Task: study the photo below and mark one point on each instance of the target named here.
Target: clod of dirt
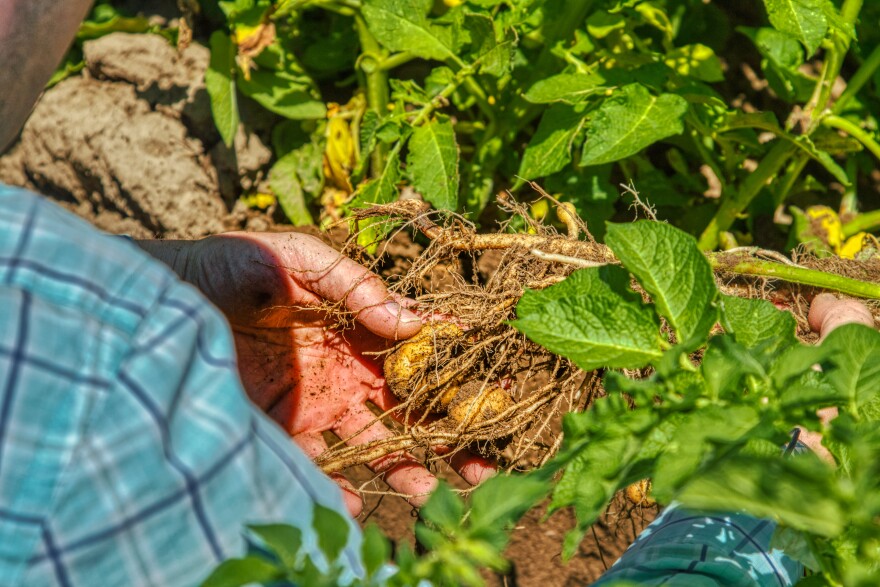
(129, 145)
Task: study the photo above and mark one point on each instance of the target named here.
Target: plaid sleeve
(129, 454)
(693, 549)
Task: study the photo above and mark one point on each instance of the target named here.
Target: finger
(313, 444)
(473, 468)
(338, 278)
(400, 470)
(827, 313)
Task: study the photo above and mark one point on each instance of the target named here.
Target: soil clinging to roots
(448, 397)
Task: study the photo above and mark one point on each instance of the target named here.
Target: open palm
(295, 363)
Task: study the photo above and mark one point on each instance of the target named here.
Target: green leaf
(432, 163)
(591, 319)
(220, 84)
(402, 25)
(771, 487)
(697, 61)
(243, 571)
(803, 19)
(283, 540)
(668, 264)
(805, 144)
(293, 175)
(332, 529)
(444, 509)
(550, 148)
(500, 502)
(566, 87)
(758, 323)
(380, 190)
(375, 550)
(795, 546)
(855, 349)
(283, 93)
(629, 121)
(494, 51)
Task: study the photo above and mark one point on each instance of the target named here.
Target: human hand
(295, 364)
(827, 313)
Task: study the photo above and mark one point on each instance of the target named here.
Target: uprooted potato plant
(476, 376)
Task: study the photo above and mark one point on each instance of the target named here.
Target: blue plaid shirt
(129, 454)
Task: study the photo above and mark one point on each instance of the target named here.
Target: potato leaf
(432, 163)
(566, 87)
(402, 25)
(283, 93)
(332, 530)
(629, 121)
(380, 190)
(591, 319)
(668, 264)
(805, 20)
(237, 572)
(293, 175)
(758, 323)
(220, 84)
(550, 148)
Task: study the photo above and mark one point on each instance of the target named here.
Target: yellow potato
(476, 403)
(409, 359)
(639, 493)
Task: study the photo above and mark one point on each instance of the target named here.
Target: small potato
(409, 359)
(639, 493)
(475, 404)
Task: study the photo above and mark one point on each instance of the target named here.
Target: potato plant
(740, 125)
(458, 100)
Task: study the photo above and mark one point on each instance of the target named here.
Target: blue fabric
(699, 549)
(129, 454)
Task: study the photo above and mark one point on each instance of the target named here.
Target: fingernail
(401, 314)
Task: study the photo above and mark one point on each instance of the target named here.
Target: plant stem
(863, 222)
(774, 160)
(733, 206)
(801, 275)
(372, 56)
(396, 60)
(854, 131)
(859, 79)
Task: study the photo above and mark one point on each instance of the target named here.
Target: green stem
(801, 275)
(858, 80)
(733, 206)
(854, 131)
(774, 160)
(396, 60)
(862, 223)
(377, 83)
(437, 101)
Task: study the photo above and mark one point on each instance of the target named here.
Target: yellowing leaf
(825, 224)
(340, 155)
(853, 245)
(258, 200)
